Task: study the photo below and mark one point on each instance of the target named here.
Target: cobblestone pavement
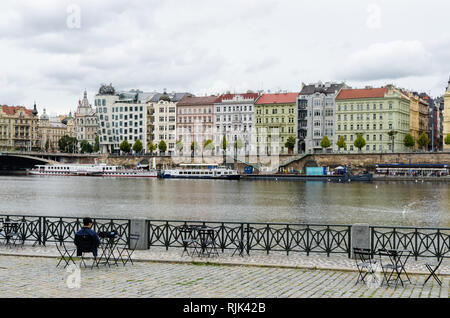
(257, 258)
(39, 277)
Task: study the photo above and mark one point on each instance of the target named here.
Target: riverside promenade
(32, 272)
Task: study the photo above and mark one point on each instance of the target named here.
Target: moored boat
(95, 170)
(200, 171)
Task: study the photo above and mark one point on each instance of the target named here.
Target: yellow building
(50, 132)
(418, 117)
(18, 128)
(446, 127)
(414, 126)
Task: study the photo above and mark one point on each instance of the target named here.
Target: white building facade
(121, 116)
(234, 120)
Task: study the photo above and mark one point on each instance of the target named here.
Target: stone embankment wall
(358, 162)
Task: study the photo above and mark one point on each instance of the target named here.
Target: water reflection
(381, 203)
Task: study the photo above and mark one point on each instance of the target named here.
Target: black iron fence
(49, 229)
(422, 242)
(268, 237)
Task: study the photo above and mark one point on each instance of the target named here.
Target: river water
(391, 203)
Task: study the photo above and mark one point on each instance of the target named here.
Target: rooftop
(201, 100)
(362, 93)
(277, 98)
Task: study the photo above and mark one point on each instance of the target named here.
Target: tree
(341, 142)
(392, 134)
(47, 145)
(325, 142)
(408, 141)
(86, 147)
(224, 144)
(137, 146)
(151, 147)
(238, 145)
(67, 144)
(359, 142)
(447, 139)
(179, 145)
(125, 146)
(423, 140)
(96, 144)
(290, 143)
(208, 145)
(162, 146)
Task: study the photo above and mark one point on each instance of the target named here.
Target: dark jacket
(86, 240)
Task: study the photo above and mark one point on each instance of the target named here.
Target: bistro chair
(242, 242)
(11, 233)
(188, 238)
(129, 249)
(365, 263)
(85, 244)
(66, 253)
(207, 242)
(389, 266)
(109, 240)
(433, 267)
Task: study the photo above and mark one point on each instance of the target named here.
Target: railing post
(248, 239)
(307, 247)
(416, 247)
(44, 230)
(328, 241)
(267, 239)
(139, 227)
(349, 241)
(361, 237)
(288, 245)
(166, 238)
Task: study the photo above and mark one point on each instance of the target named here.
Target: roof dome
(44, 116)
(164, 97)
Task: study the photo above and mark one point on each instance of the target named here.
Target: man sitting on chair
(86, 240)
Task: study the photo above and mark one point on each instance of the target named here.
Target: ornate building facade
(234, 120)
(85, 121)
(316, 104)
(19, 128)
(51, 130)
(446, 117)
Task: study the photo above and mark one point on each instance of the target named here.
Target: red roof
(11, 110)
(362, 93)
(194, 101)
(278, 98)
(231, 96)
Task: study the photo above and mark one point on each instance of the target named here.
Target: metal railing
(422, 242)
(268, 237)
(49, 229)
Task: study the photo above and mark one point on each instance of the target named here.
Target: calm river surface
(378, 203)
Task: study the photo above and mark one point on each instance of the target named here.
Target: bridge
(20, 160)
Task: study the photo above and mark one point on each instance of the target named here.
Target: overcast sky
(50, 51)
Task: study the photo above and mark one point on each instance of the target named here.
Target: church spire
(35, 112)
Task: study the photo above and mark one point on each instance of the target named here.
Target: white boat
(97, 170)
(200, 171)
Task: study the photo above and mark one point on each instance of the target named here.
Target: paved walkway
(161, 273)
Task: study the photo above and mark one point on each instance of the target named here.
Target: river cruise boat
(95, 170)
(200, 171)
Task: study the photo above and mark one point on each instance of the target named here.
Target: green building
(275, 122)
(380, 115)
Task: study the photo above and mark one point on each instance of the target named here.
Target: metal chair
(189, 239)
(207, 242)
(132, 243)
(242, 242)
(11, 233)
(389, 266)
(85, 244)
(433, 267)
(365, 264)
(66, 254)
